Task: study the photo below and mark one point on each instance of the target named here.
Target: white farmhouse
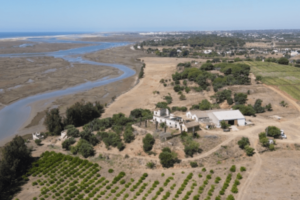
(294, 53)
(196, 115)
(207, 51)
(163, 115)
(37, 136)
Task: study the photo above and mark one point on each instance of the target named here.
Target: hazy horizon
(136, 16)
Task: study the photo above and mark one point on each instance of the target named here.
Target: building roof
(228, 115)
(191, 124)
(199, 113)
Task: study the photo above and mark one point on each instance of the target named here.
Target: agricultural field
(63, 177)
(285, 77)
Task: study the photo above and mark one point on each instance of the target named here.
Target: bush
(239, 176)
(243, 169)
(273, 131)
(38, 142)
(240, 98)
(224, 125)
(245, 110)
(207, 66)
(203, 169)
(271, 147)
(249, 151)
(230, 197)
(68, 142)
(211, 171)
(72, 131)
(150, 165)
(128, 135)
(148, 142)
(110, 171)
(193, 164)
(121, 146)
(168, 159)
(283, 61)
(243, 142)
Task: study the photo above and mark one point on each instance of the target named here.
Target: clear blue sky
(147, 15)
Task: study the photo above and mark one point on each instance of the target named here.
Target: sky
(146, 15)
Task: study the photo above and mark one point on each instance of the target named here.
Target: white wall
(241, 122)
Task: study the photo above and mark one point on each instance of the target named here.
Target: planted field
(286, 77)
(62, 177)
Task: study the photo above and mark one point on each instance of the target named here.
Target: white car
(283, 136)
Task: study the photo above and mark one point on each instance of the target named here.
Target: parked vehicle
(282, 135)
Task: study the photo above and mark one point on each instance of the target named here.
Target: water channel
(13, 116)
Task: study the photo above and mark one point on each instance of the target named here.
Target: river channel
(13, 116)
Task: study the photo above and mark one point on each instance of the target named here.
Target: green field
(286, 77)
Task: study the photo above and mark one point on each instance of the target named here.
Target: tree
(53, 121)
(273, 131)
(121, 146)
(258, 78)
(245, 110)
(16, 158)
(150, 165)
(257, 106)
(38, 142)
(207, 66)
(182, 97)
(148, 142)
(81, 113)
(167, 158)
(240, 98)
(224, 125)
(163, 125)
(191, 147)
(73, 132)
(84, 148)
(283, 104)
(205, 105)
(243, 142)
(128, 135)
(68, 142)
(283, 61)
(249, 150)
(269, 107)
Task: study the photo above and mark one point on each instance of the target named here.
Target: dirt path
(253, 173)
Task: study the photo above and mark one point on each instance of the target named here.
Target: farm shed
(232, 117)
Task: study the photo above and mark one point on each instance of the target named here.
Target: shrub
(211, 171)
(283, 61)
(38, 142)
(243, 142)
(68, 142)
(239, 176)
(230, 197)
(193, 164)
(273, 131)
(150, 165)
(203, 169)
(242, 169)
(249, 150)
(168, 159)
(232, 168)
(110, 171)
(148, 142)
(271, 147)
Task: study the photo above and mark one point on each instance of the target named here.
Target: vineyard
(286, 77)
(64, 177)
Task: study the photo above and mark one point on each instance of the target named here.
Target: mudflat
(23, 77)
(65, 76)
(23, 46)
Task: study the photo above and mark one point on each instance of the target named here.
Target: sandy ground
(7, 47)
